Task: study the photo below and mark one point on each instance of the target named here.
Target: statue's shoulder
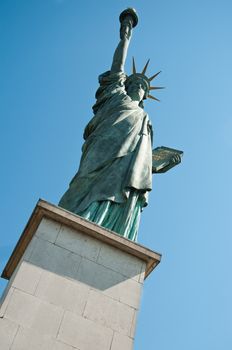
(108, 78)
(110, 83)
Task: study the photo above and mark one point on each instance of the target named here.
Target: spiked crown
(145, 79)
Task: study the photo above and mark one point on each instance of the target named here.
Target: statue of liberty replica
(115, 174)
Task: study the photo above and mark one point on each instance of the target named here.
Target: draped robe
(115, 174)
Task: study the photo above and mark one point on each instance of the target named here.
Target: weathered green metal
(115, 175)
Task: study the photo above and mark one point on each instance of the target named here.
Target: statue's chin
(134, 97)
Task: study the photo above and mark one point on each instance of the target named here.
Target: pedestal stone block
(72, 285)
(29, 284)
(109, 313)
(121, 342)
(62, 292)
(30, 312)
(8, 330)
(84, 334)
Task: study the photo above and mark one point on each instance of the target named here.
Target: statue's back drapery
(115, 174)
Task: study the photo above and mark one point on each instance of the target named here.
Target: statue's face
(136, 90)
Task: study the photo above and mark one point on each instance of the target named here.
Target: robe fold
(116, 162)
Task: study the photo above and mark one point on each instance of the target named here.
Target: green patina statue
(115, 174)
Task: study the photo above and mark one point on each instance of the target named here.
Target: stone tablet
(165, 158)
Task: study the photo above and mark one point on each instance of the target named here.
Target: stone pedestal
(72, 285)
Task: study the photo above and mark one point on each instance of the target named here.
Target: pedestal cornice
(44, 209)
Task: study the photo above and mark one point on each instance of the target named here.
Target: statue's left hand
(176, 159)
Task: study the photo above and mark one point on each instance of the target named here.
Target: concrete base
(72, 285)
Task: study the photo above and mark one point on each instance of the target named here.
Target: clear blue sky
(51, 55)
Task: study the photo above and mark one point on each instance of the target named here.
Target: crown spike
(145, 67)
(154, 76)
(153, 98)
(156, 87)
(133, 66)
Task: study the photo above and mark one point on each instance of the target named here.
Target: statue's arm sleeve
(120, 53)
(119, 57)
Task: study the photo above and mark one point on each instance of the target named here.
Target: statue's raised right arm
(128, 20)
